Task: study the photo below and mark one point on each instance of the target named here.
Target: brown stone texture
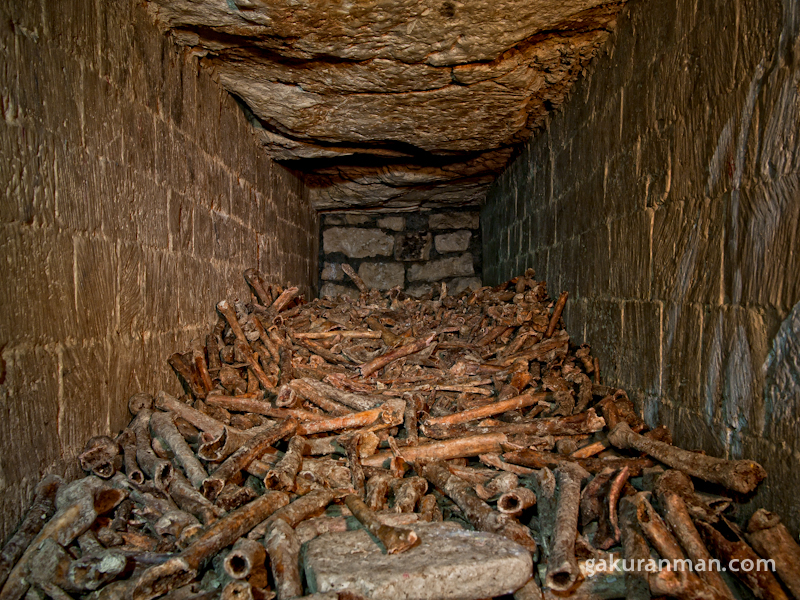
(133, 197)
(400, 104)
(664, 198)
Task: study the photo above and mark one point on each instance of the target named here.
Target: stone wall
(665, 199)
(133, 198)
(415, 251)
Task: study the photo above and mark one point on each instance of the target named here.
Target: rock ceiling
(393, 103)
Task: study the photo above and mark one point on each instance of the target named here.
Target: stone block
(29, 427)
(457, 241)
(28, 172)
(638, 347)
(95, 286)
(682, 336)
(382, 276)
(458, 285)
(449, 563)
(162, 300)
(39, 300)
(79, 205)
(456, 266)
(763, 267)
(181, 222)
(420, 289)
(735, 348)
(629, 260)
(332, 290)
(131, 284)
(84, 406)
(139, 127)
(152, 211)
(454, 220)
(687, 252)
(348, 219)
(332, 272)
(357, 243)
(393, 223)
(413, 247)
(230, 237)
(603, 333)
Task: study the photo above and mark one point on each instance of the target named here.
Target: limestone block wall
(415, 251)
(665, 198)
(133, 197)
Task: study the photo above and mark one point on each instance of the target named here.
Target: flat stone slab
(448, 564)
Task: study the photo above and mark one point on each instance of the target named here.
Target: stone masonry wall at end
(412, 251)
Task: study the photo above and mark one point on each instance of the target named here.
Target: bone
(382, 361)
(245, 557)
(557, 310)
(443, 450)
(489, 410)
(583, 423)
(562, 567)
(163, 427)
(283, 548)
(429, 510)
(770, 538)
(732, 547)
(101, 456)
(514, 502)
(310, 505)
(634, 548)
(182, 569)
(377, 488)
(283, 474)
(247, 452)
(407, 492)
(738, 475)
(41, 510)
(476, 510)
(307, 391)
(394, 539)
(680, 584)
(677, 517)
(383, 417)
(77, 508)
(538, 460)
(355, 401)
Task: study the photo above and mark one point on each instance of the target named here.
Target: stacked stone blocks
(412, 251)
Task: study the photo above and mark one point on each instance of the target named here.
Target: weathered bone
(394, 539)
(770, 538)
(738, 475)
(562, 567)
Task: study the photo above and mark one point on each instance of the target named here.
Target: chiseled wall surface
(665, 199)
(134, 196)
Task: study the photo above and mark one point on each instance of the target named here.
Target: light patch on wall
(719, 160)
(739, 393)
(782, 371)
(714, 368)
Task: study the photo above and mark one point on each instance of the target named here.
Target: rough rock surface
(382, 276)
(452, 242)
(358, 243)
(394, 104)
(440, 269)
(449, 563)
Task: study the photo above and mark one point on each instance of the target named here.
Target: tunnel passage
(660, 192)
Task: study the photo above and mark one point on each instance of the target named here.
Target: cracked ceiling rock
(381, 84)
